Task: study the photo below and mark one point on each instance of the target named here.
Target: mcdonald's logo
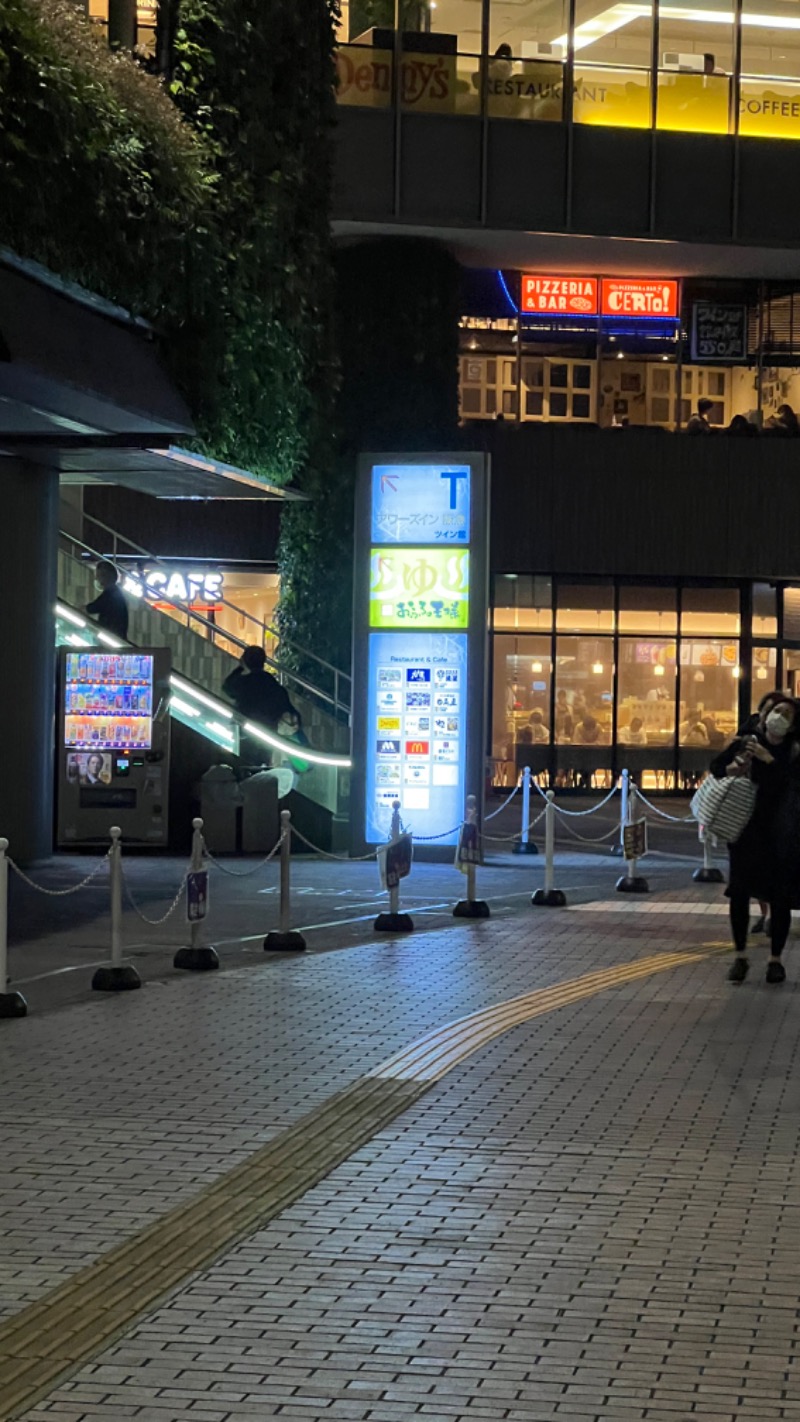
(418, 747)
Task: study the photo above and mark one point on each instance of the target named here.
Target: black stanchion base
(520, 848)
(549, 898)
(291, 942)
(708, 876)
(196, 960)
(394, 923)
(123, 979)
(636, 885)
(13, 1004)
(471, 908)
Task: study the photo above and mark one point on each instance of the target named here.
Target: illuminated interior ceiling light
(658, 670)
(597, 668)
(761, 673)
(699, 676)
(70, 615)
(736, 672)
(617, 16)
(536, 666)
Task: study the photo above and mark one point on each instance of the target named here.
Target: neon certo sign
(190, 587)
(556, 294)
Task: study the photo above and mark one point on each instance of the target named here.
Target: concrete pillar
(28, 558)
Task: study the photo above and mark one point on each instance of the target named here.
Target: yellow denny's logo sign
(364, 77)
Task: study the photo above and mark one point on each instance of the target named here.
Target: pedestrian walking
(765, 859)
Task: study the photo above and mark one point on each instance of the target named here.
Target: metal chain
(579, 814)
(60, 893)
(340, 858)
(154, 922)
(428, 838)
(242, 873)
(591, 839)
(507, 801)
(517, 835)
(676, 819)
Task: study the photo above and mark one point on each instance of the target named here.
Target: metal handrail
(266, 628)
(215, 632)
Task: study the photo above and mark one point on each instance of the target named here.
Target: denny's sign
(554, 294)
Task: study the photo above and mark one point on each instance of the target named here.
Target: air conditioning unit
(534, 49)
(689, 63)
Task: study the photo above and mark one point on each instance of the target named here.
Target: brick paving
(594, 1218)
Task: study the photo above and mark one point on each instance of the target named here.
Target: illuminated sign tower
(420, 643)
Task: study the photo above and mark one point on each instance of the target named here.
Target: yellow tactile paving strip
(51, 1338)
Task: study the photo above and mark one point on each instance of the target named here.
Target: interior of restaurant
(715, 69)
(591, 677)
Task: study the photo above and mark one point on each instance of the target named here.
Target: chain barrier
(340, 858)
(675, 819)
(243, 873)
(507, 838)
(59, 893)
(589, 839)
(506, 802)
(580, 814)
(154, 922)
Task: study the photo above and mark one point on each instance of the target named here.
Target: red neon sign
(621, 297)
(573, 295)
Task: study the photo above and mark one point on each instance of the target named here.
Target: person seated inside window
(634, 734)
(697, 735)
(538, 728)
(587, 732)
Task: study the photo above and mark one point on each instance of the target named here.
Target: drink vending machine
(113, 746)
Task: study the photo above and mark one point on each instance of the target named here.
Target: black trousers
(780, 914)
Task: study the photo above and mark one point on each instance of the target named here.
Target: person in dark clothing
(111, 607)
(751, 725)
(255, 692)
(765, 860)
(699, 424)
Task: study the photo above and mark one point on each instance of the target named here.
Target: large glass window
(769, 103)
(522, 603)
(520, 704)
(695, 61)
(764, 677)
(646, 693)
(612, 64)
(585, 607)
(709, 611)
(652, 610)
(584, 690)
(527, 50)
(709, 691)
(765, 610)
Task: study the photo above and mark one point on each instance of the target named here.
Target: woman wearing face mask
(751, 725)
(765, 860)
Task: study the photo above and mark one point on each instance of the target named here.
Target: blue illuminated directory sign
(420, 503)
(418, 704)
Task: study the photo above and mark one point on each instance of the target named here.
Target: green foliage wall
(397, 310)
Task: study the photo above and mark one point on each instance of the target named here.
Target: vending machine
(113, 746)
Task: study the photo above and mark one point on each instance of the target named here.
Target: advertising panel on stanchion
(113, 745)
(419, 659)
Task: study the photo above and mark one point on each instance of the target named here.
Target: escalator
(211, 731)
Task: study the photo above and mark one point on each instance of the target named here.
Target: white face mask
(778, 724)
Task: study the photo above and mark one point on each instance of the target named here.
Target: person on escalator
(111, 607)
(255, 692)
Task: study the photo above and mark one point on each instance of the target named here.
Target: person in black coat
(765, 860)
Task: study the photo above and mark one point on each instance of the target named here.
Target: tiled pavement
(594, 1218)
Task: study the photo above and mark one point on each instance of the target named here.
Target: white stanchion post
(199, 957)
(624, 786)
(525, 845)
(119, 976)
(549, 896)
(394, 921)
(469, 854)
(631, 882)
(12, 1004)
(287, 939)
(709, 874)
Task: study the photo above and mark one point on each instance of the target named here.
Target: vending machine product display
(113, 746)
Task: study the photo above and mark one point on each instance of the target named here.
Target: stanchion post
(525, 845)
(12, 1004)
(118, 976)
(470, 907)
(709, 874)
(618, 850)
(198, 957)
(631, 882)
(286, 939)
(549, 896)
(394, 921)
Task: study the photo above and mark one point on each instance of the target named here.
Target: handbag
(724, 807)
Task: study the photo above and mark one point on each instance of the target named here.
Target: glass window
(709, 691)
(585, 607)
(791, 677)
(646, 693)
(522, 602)
(710, 611)
(520, 696)
(648, 610)
(769, 106)
(584, 691)
(695, 59)
(765, 674)
(765, 619)
(791, 614)
(527, 32)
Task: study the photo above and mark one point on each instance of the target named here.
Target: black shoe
(759, 926)
(776, 973)
(738, 969)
